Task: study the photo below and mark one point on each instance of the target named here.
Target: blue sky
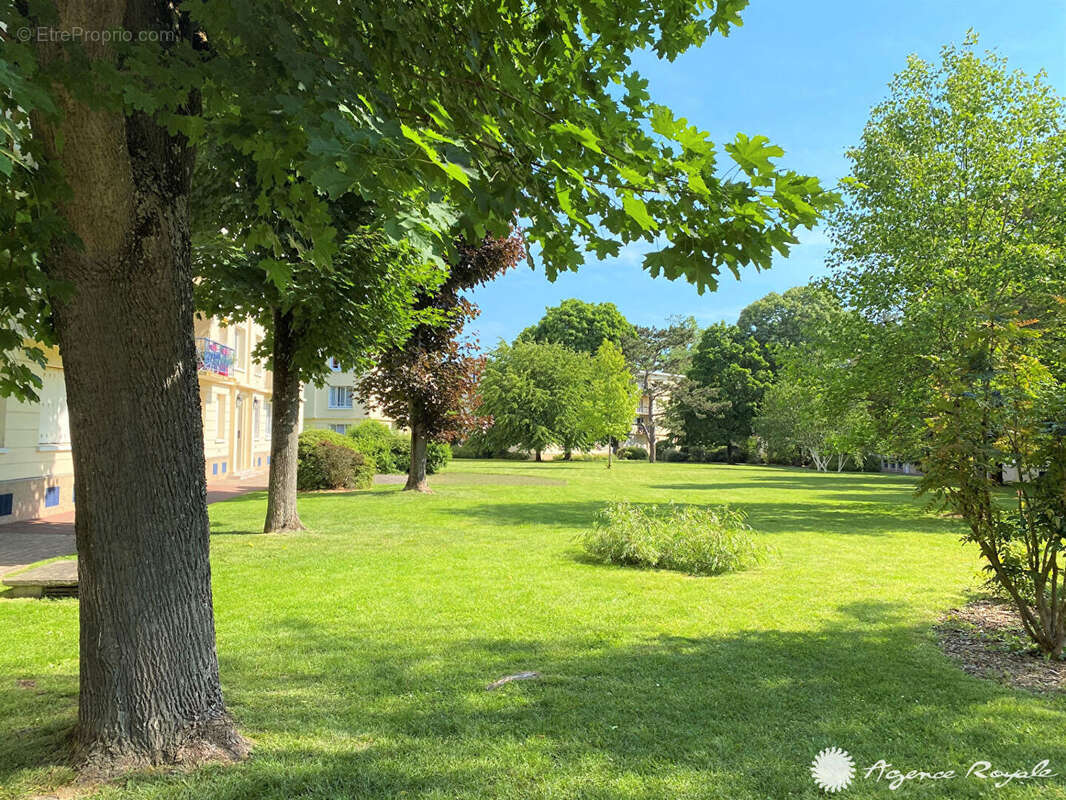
(805, 74)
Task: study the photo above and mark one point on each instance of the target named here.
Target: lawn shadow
(746, 711)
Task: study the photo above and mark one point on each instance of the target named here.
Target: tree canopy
(421, 119)
(580, 325)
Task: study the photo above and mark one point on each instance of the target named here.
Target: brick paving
(26, 542)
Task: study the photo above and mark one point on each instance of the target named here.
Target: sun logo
(833, 769)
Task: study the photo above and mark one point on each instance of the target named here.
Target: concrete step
(58, 579)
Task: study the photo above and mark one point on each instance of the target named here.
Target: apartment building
(36, 467)
(235, 395)
(334, 406)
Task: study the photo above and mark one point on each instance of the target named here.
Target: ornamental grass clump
(693, 539)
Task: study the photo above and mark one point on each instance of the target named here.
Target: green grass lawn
(356, 654)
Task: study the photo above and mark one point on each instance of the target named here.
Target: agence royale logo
(833, 770)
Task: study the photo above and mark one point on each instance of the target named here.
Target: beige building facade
(335, 406)
(36, 466)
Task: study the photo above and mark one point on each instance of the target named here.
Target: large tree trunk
(285, 423)
(149, 683)
(538, 456)
(416, 472)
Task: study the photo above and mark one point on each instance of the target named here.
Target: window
(3, 420)
(54, 426)
(255, 419)
(7, 504)
(341, 428)
(335, 365)
(340, 396)
(51, 496)
(240, 344)
(222, 404)
(268, 416)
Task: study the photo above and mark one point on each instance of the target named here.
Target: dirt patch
(987, 640)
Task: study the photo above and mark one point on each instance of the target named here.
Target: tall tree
(734, 366)
(951, 251)
(428, 383)
(781, 321)
(361, 307)
(401, 105)
(658, 357)
(580, 326)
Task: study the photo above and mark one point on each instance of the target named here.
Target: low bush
(692, 539)
(390, 449)
(438, 454)
(634, 453)
(329, 460)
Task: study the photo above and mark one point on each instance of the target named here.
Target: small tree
(950, 249)
(429, 383)
(580, 326)
(657, 357)
(612, 398)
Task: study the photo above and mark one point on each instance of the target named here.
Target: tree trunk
(416, 473)
(649, 429)
(149, 685)
(610, 452)
(539, 458)
(285, 431)
(568, 455)
(729, 451)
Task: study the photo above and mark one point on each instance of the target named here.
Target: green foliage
(631, 454)
(727, 378)
(951, 250)
(536, 396)
(782, 321)
(699, 541)
(361, 306)
(329, 460)
(438, 456)
(580, 326)
(611, 397)
(389, 449)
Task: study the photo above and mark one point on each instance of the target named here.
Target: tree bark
(416, 472)
(281, 512)
(149, 683)
(538, 456)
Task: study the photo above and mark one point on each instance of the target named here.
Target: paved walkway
(26, 542)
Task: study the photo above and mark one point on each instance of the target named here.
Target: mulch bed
(987, 640)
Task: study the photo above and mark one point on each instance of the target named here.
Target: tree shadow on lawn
(745, 712)
(867, 519)
(345, 715)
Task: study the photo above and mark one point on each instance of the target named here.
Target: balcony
(212, 356)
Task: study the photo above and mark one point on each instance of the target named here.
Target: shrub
(328, 460)
(699, 541)
(635, 453)
(438, 454)
(390, 450)
(672, 454)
